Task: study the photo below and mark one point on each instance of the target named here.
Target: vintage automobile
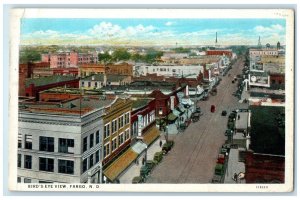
(138, 179)
(219, 169)
(212, 108)
(158, 156)
(224, 113)
(144, 171)
(150, 164)
(195, 116)
(167, 146)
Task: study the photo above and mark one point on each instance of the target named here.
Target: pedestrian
(160, 143)
(143, 161)
(235, 176)
(239, 117)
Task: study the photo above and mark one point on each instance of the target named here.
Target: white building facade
(60, 148)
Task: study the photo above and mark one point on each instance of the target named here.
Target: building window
(127, 135)
(97, 156)
(84, 144)
(106, 150)
(121, 121)
(27, 161)
(127, 118)
(19, 140)
(27, 180)
(97, 137)
(19, 179)
(28, 141)
(65, 145)
(134, 129)
(19, 160)
(82, 84)
(106, 130)
(47, 144)
(47, 164)
(114, 144)
(121, 139)
(96, 84)
(66, 166)
(113, 126)
(91, 160)
(84, 165)
(91, 140)
(89, 84)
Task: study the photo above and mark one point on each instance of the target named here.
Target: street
(193, 158)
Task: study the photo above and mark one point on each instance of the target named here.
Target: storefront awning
(171, 117)
(119, 165)
(151, 135)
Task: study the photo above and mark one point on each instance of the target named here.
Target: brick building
(219, 52)
(69, 59)
(36, 85)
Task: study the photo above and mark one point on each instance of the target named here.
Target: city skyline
(139, 32)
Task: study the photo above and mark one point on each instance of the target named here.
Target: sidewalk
(134, 169)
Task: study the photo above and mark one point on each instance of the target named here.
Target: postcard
(151, 100)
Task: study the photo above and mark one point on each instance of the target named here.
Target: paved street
(193, 158)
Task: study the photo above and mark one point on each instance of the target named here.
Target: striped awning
(119, 165)
(150, 135)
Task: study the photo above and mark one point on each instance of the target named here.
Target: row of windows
(115, 143)
(91, 140)
(89, 162)
(47, 144)
(112, 127)
(47, 164)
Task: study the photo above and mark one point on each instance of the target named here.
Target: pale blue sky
(151, 31)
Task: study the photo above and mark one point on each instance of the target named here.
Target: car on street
(158, 156)
(144, 171)
(224, 113)
(150, 164)
(138, 179)
(212, 108)
(228, 132)
(167, 146)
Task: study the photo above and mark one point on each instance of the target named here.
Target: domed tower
(278, 45)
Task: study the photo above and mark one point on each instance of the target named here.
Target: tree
(29, 55)
(152, 55)
(120, 54)
(104, 57)
(137, 57)
(181, 50)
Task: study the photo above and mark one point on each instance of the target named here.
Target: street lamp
(145, 155)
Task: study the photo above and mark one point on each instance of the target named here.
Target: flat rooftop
(48, 80)
(73, 107)
(241, 121)
(267, 132)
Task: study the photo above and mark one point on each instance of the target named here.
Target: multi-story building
(116, 131)
(97, 81)
(61, 142)
(190, 71)
(69, 59)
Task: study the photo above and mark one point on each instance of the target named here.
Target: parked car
(198, 110)
(158, 156)
(224, 113)
(167, 146)
(150, 164)
(195, 117)
(228, 132)
(219, 169)
(212, 108)
(138, 179)
(232, 115)
(144, 171)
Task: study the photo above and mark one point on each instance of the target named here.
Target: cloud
(169, 23)
(269, 29)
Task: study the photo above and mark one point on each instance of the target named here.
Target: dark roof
(48, 80)
(266, 134)
(265, 95)
(140, 103)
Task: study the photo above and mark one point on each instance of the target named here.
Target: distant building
(189, 71)
(220, 53)
(36, 85)
(69, 59)
(97, 81)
